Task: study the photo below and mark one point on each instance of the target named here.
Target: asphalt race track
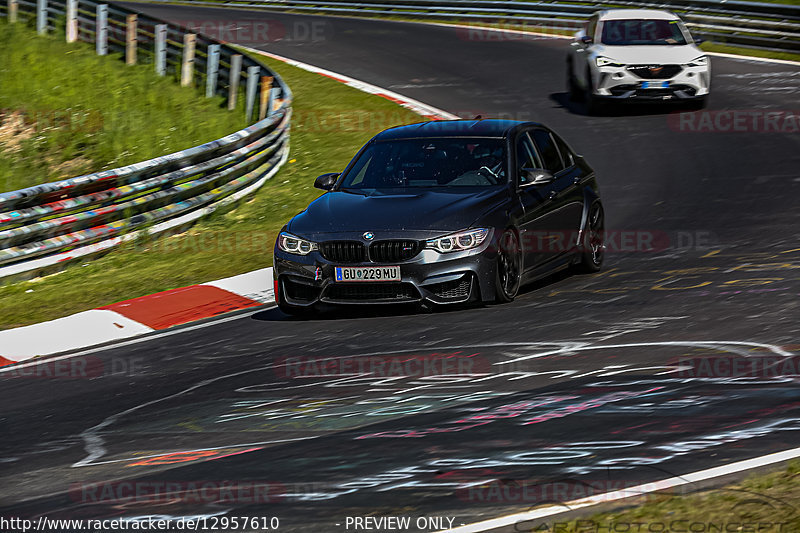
(584, 384)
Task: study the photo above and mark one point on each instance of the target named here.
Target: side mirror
(699, 40)
(326, 181)
(536, 176)
(585, 39)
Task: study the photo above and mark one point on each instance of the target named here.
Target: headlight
(601, 61)
(701, 61)
(456, 242)
(295, 245)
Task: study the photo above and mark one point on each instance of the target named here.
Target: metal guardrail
(766, 26)
(45, 226)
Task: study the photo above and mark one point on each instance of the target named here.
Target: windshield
(437, 162)
(636, 31)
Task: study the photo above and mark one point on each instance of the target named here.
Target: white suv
(636, 54)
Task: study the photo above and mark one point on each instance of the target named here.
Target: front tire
(509, 267)
(593, 254)
(289, 309)
(593, 103)
(573, 91)
(699, 103)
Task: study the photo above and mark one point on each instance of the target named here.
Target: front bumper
(622, 83)
(456, 277)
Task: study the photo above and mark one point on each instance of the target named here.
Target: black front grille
(655, 72)
(372, 291)
(343, 251)
(393, 251)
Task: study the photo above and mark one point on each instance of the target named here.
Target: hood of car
(652, 54)
(422, 213)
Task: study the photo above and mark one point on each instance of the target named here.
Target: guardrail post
(187, 61)
(72, 21)
(266, 100)
(252, 86)
(101, 30)
(131, 32)
(41, 17)
(161, 49)
(212, 69)
(13, 9)
(271, 103)
(233, 80)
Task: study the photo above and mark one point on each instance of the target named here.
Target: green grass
(759, 500)
(331, 121)
(67, 111)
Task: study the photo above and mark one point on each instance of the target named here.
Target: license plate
(655, 84)
(386, 273)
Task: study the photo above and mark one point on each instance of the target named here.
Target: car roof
(617, 14)
(452, 128)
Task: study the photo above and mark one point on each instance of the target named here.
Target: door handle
(552, 196)
(576, 181)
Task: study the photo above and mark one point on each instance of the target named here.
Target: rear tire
(593, 254)
(509, 267)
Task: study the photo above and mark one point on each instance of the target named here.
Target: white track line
(706, 344)
(137, 340)
(411, 104)
(665, 484)
(753, 58)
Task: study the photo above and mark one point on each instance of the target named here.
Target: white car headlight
(456, 242)
(295, 245)
(601, 61)
(701, 61)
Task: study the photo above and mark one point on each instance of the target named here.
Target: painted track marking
(673, 482)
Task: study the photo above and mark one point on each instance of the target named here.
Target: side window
(566, 153)
(551, 160)
(360, 170)
(526, 154)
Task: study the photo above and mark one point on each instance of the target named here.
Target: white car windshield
(625, 32)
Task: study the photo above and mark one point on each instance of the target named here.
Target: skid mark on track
(410, 394)
(93, 440)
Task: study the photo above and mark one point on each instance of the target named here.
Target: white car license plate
(384, 273)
